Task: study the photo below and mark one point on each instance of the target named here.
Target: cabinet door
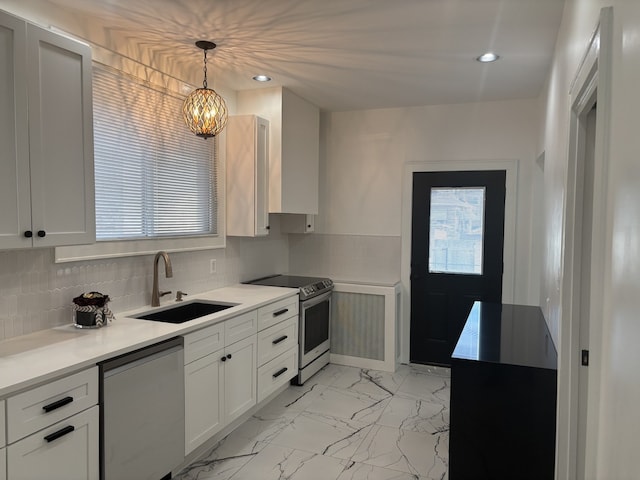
(240, 378)
(3, 464)
(247, 176)
(203, 400)
(60, 139)
(58, 451)
(15, 189)
(297, 223)
(262, 177)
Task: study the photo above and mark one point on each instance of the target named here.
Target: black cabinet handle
(42, 233)
(280, 312)
(57, 404)
(28, 234)
(308, 226)
(268, 227)
(60, 433)
(280, 372)
(229, 356)
(279, 340)
(223, 359)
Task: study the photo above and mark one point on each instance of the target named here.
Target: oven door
(315, 318)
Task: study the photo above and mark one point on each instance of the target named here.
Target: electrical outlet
(212, 266)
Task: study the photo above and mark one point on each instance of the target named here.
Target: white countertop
(31, 359)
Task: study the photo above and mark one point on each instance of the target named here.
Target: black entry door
(456, 255)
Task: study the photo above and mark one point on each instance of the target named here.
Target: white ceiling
(339, 54)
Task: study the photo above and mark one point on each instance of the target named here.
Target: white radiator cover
(364, 325)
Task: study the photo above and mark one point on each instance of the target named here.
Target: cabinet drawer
(203, 342)
(276, 340)
(240, 327)
(70, 453)
(3, 440)
(276, 312)
(277, 373)
(42, 406)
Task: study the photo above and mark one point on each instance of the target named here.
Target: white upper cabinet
(292, 223)
(46, 133)
(247, 176)
(294, 147)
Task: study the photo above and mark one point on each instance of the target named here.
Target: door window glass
(456, 230)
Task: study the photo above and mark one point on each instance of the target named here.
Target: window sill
(131, 248)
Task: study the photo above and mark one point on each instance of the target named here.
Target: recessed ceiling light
(488, 57)
(262, 78)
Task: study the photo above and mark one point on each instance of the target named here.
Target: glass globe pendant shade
(205, 112)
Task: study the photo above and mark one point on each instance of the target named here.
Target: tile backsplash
(353, 258)
(36, 293)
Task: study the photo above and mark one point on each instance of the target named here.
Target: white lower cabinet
(3, 464)
(222, 385)
(277, 372)
(3, 440)
(204, 414)
(66, 450)
(53, 430)
(221, 367)
(240, 378)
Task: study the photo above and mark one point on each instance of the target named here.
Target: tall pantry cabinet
(46, 133)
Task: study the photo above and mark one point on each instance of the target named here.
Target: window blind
(154, 178)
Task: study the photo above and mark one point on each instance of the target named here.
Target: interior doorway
(583, 260)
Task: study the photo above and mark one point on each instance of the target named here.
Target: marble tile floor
(345, 423)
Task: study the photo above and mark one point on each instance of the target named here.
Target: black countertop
(506, 334)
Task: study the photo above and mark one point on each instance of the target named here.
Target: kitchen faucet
(168, 273)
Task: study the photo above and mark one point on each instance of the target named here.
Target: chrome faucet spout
(168, 273)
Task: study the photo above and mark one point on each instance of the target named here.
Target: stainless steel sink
(185, 312)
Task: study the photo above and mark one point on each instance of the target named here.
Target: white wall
(362, 160)
(614, 455)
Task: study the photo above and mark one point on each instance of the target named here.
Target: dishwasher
(142, 413)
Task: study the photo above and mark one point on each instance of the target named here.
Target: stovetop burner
(309, 286)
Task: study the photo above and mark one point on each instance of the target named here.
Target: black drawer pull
(57, 404)
(280, 312)
(60, 433)
(280, 372)
(223, 359)
(279, 340)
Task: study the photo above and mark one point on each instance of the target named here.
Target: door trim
(509, 254)
(591, 85)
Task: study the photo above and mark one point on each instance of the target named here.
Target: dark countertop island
(503, 395)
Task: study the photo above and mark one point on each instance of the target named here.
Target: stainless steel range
(314, 321)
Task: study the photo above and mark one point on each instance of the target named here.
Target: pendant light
(204, 111)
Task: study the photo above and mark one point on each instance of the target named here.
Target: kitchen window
(154, 178)
(157, 184)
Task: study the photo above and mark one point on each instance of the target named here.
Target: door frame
(509, 255)
(591, 85)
